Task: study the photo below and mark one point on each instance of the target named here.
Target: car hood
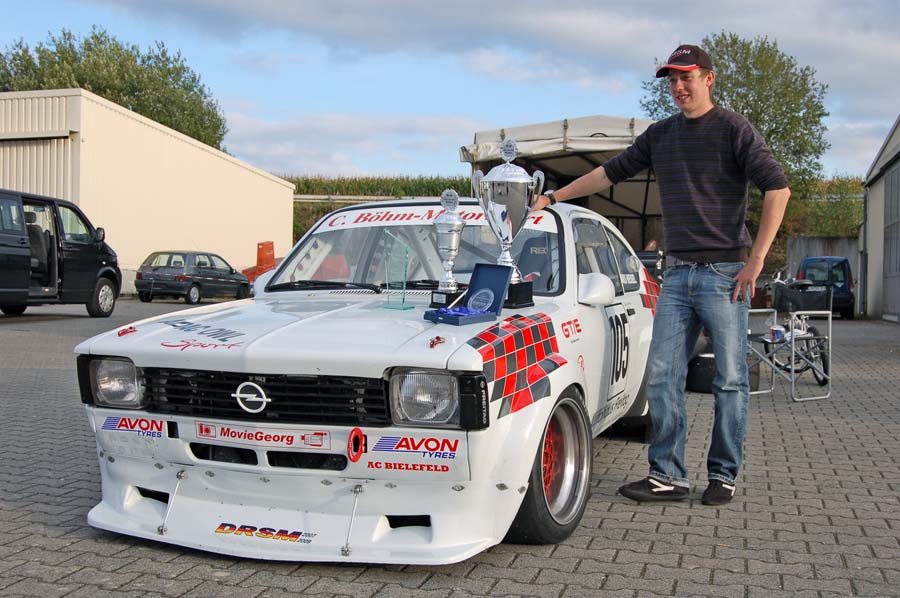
(310, 335)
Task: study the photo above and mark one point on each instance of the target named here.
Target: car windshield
(369, 247)
(818, 271)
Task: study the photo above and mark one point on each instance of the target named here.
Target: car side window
(202, 261)
(10, 216)
(75, 229)
(837, 272)
(219, 263)
(629, 265)
(593, 252)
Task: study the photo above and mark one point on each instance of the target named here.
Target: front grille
(333, 400)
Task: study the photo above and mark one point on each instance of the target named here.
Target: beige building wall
(149, 186)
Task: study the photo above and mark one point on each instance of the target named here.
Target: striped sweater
(703, 168)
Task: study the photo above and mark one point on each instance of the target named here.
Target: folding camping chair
(802, 348)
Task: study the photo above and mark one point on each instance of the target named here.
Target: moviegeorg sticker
(258, 436)
(519, 354)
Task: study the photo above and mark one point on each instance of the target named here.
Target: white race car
(325, 419)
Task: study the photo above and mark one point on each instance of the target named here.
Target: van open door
(15, 255)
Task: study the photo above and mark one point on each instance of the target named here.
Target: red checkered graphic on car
(518, 355)
(651, 287)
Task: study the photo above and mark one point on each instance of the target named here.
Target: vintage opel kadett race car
(325, 419)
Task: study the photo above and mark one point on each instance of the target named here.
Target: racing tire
(820, 357)
(560, 480)
(193, 295)
(13, 310)
(243, 292)
(103, 299)
(145, 297)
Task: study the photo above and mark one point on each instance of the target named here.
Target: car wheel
(103, 299)
(560, 479)
(145, 297)
(847, 314)
(13, 310)
(192, 297)
(243, 291)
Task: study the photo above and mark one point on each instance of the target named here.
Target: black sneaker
(717, 493)
(652, 489)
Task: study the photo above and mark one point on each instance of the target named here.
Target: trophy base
(519, 295)
(444, 298)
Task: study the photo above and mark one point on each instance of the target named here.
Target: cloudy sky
(351, 87)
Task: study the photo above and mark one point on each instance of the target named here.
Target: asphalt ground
(817, 512)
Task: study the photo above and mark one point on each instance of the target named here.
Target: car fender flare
(516, 437)
(112, 275)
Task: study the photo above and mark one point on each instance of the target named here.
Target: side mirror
(99, 235)
(595, 289)
(259, 285)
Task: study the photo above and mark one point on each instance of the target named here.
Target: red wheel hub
(551, 460)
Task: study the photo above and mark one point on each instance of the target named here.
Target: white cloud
(336, 144)
(854, 146)
(604, 47)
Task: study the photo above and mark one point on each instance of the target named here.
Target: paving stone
(329, 586)
(506, 587)
(660, 586)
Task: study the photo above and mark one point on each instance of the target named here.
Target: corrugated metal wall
(36, 143)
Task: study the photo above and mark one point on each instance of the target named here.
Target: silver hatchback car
(189, 274)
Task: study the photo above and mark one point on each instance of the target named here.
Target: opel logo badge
(248, 394)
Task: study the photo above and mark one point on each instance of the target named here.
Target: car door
(15, 252)
(81, 255)
(605, 362)
(637, 321)
(210, 279)
(227, 276)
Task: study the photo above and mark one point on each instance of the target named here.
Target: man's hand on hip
(746, 279)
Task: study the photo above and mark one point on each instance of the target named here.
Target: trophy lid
(508, 172)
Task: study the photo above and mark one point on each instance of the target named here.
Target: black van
(51, 253)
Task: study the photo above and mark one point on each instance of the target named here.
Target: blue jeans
(695, 296)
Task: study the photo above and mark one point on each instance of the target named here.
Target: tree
(156, 83)
(780, 98)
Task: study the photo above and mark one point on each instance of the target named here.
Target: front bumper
(154, 487)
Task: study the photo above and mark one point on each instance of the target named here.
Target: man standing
(704, 158)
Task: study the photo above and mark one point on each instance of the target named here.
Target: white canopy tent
(569, 148)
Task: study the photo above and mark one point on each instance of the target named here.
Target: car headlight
(116, 383)
(425, 398)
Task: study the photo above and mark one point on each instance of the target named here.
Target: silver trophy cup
(507, 195)
(449, 226)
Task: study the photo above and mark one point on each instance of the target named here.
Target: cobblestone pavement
(817, 512)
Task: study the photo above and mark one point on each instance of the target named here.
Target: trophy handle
(538, 179)
(476, 184)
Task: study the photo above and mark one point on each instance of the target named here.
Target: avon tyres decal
(265, 533)
(141, 426)
(518, 355)
(432, 448)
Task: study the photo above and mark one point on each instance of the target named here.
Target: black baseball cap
(685, 58)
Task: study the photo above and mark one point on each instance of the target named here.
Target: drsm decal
(518, 354)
